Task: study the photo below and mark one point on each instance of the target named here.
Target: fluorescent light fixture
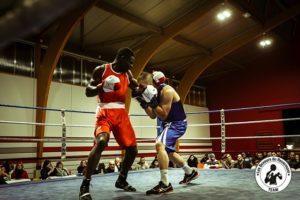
(265, 42)
(224, 15)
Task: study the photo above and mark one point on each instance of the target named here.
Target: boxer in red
(109, 83)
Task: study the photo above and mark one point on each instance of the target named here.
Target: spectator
(111, 167)
(100, 169)
(255, 163)
(142, 164)
(247, 160)
(192, 161)
(274, 154)
(81, 168)
(212, 162)
(19, 172)
(292, 160)
(227, 161)
(60, 170)
(269, 154)
(154, 163)
(265, 154)
(298, 162)
(9, 167)
(240, 164)
(278, 154)
(47, 170)
(2, 175)
(117, 164)
(259, 156)
(204, 159)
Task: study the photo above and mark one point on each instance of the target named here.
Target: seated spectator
(60, 170)
(111, 167)
(81, 168)
(154, 163)
(192, 161)
(227, 161)
(2, 175)
(6, 176)
(265, 154)
(259, 156)
(298, 162)
(117, 164)
(47, 170)
(240, 163)
(142, 164)
(19, 172)
(9, 167)
(101, 168)
(204, 159)
(247, 160)
(292, 160)
(278, 154)
(274, 154)
(269, 154)
(284, 155)
(255, 163)
(212, 162)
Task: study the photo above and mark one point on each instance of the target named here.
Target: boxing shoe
(84, 193)
(189, 177)
(161, 188)
(123, 184)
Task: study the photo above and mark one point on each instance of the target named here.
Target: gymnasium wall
(18, 90)
(271, 79)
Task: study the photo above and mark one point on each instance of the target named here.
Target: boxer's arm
(150, 112)
(133, 84)
(92, 89)
(164, 107)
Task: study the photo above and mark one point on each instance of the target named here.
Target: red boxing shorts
(115, 120)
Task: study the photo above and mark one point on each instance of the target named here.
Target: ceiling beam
(200, 65)
(48, 64)
(81, 37)
(128, 16)
(148, 25)
(117, 40)
(246, 7)
(151, 46)
(164, 62)
(190, 43)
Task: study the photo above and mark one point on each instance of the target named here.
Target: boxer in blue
(162, 101)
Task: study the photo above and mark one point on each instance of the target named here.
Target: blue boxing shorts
(170, 132)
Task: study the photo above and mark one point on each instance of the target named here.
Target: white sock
(164, 176)
(187, 169)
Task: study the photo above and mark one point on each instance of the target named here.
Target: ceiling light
(265, 42)
(224, 15)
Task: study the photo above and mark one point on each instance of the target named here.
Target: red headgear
(159, 77)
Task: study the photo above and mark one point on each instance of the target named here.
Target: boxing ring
(212, 183)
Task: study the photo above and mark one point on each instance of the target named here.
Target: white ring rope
(190, 125)
(144, 140)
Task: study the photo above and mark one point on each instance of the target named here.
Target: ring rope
(191, 125)
(142, 140)
(191, 113)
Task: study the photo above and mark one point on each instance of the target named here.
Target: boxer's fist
(110, 84)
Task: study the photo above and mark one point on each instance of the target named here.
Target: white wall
(18, 90)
